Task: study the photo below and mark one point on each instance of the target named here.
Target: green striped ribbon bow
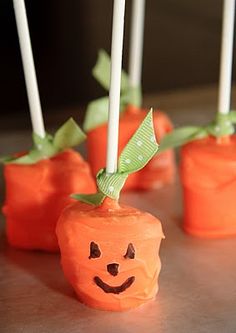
(136, 154)
(97, 110)
(221, 126)
(68, 135)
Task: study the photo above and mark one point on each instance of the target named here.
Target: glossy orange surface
(36, 195)
(160, 170)
(110, 254)
(208, 176)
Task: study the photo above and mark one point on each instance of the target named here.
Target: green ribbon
(221, 126)
(68, 135)
(97, 110)
(136, 154)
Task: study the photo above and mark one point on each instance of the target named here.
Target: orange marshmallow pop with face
(109, 251)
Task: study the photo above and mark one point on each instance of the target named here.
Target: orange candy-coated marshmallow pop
(36, 194)
(208, 176)
(39, 182)
(110, 251)
(208, 157)
(159, 171)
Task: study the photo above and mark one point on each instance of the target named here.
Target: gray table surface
(197, 281)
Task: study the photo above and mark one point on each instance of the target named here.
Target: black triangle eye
(130, 253)
(94, 251)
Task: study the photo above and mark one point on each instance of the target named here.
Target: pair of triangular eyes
(96, 253)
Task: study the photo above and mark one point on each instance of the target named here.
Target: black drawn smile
(114, 290)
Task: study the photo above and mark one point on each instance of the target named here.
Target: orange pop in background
(38, 188)
(208, 176)
(208, 157)
(39, 182)
(36, 195)
(159, 171)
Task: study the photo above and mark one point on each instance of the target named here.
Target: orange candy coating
(112, 247)
(36, 195)
(160, 170)
(208, 176)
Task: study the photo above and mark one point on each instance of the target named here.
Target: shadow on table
(44, 267)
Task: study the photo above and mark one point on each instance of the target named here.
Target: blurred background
(181, 50)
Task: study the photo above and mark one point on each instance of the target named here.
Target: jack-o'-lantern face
(113, 269)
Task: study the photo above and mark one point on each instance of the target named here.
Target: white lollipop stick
(136, 42)
(29, 69)
(226, 57)
(115, 81)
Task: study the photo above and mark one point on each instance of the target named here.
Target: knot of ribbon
(136, 154)
(222, 125)
(97, 110)
(67, 136)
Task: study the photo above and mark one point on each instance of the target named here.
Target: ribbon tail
(133, 95)
(232, 116)
(140, 148)
(6, 159)
(68, 135)
(181, 136)
(91, 199)
(96, 114)
(102, 69)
